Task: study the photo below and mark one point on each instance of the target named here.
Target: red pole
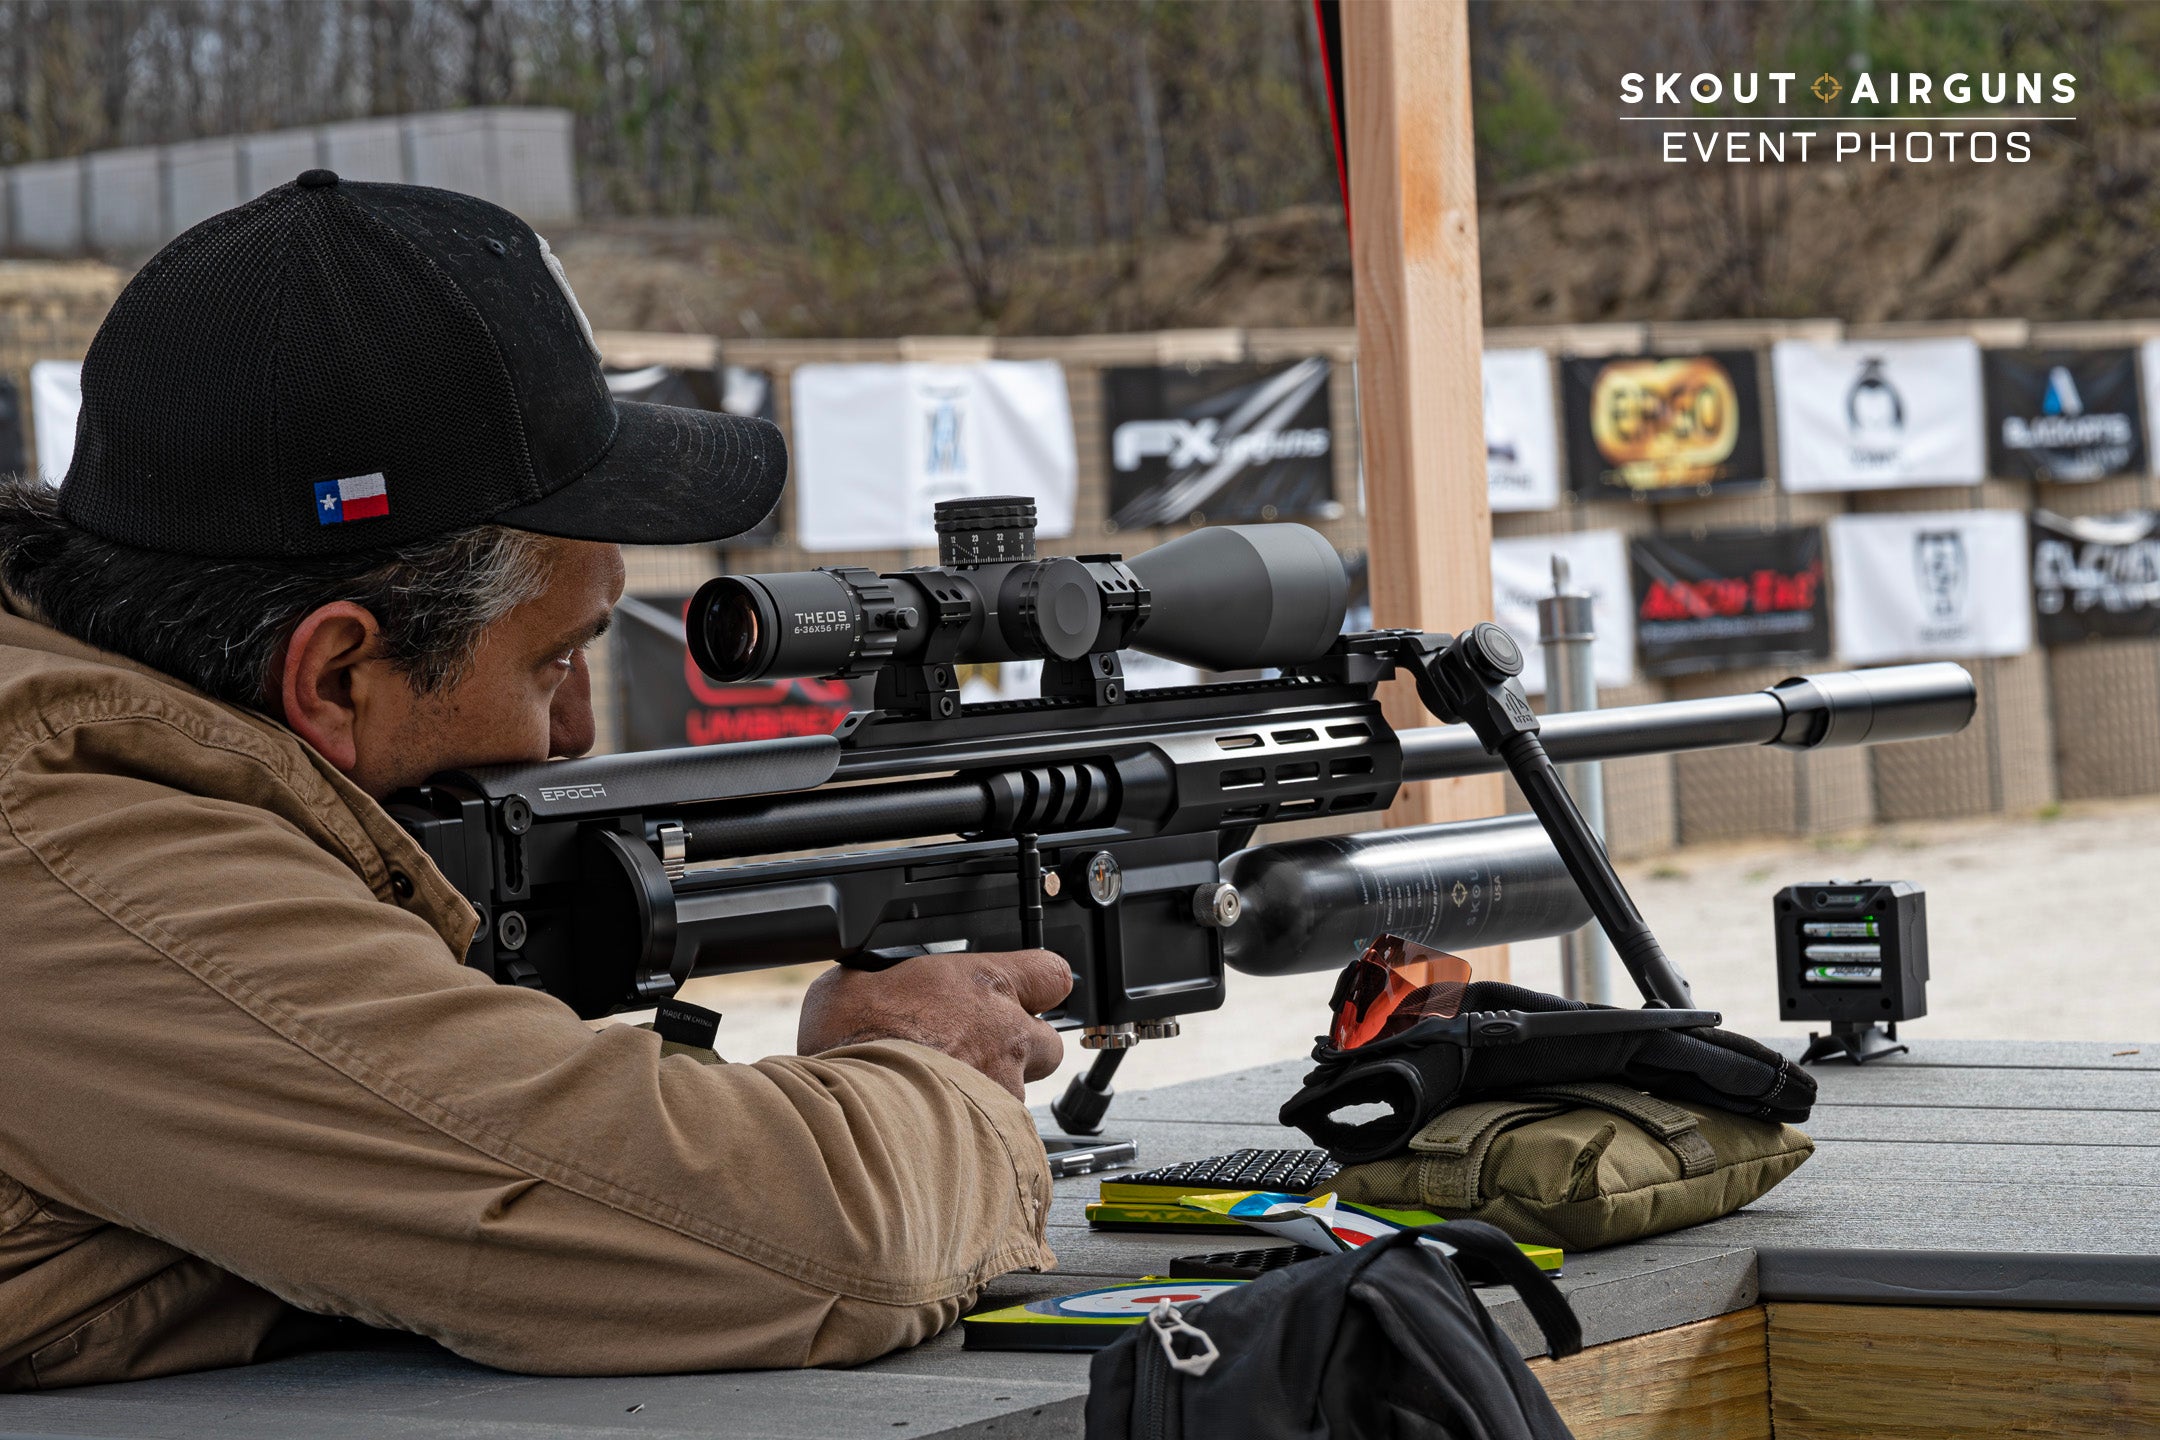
(1327, 15)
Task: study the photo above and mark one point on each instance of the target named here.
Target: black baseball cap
(337, 366)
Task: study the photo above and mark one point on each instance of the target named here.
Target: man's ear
(316, 679)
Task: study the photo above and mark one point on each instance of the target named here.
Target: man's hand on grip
(979, 1009)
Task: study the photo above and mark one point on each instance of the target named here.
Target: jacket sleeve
(218, 1036)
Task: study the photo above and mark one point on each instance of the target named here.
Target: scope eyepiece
(736, 629)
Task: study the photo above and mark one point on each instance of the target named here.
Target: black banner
(664, 700)
(14, 458)
(1661, 427)
(1729, 598)
(2063, 415)
(1232, 443)
(736, 389)
(2095, 576)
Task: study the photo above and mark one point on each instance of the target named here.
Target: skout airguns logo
(1763, 117)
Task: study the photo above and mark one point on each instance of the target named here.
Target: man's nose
(571, 729)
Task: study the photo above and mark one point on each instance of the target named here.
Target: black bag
(1507, 1039)
(1383, 1342)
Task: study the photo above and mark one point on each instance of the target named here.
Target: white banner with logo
(876, 446)
(55, 402)
(1597, 567)
(1946, 584)
(1879, 415)
(1522, 443)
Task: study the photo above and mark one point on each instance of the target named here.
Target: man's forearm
(295, 1082)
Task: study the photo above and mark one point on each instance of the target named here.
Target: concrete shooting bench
(1973, 1249)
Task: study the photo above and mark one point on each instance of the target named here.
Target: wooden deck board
(1845, 1370)
(1707, 1381)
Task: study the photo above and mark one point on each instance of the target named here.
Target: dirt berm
(2072, 234)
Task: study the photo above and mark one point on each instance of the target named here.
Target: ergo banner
(1660, 427)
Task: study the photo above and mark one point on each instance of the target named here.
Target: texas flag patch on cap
(357, 497)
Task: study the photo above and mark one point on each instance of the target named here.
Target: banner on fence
(1598, 567)
(1729, 598)
(2096, 576)
(2063, 415)
(1522, 445)
(876, 446)
(1230, 443)
(1657, 427)
(1937, 585)
(14, 454)
(1878, 415)
(666, 701)
(2149, 367)
(735, 389)
(1022, 679)
(55, 401)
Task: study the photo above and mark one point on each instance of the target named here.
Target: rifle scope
(1231, 597)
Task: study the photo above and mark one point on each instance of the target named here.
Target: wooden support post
(1414, 253)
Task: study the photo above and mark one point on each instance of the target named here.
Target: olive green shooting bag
(1582, 1165)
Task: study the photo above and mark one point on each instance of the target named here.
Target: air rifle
(1107, 825)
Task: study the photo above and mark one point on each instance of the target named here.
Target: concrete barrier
(127, 203)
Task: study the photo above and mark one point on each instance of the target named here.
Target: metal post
(1566, 630)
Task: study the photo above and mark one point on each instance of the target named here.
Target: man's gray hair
(217, 624)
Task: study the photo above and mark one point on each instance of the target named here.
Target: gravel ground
(2028, 916)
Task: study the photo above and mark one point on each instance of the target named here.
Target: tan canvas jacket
(241, 1070)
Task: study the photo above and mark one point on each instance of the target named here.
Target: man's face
(526, 696)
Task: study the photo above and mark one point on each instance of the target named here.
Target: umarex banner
(2063, 415)
(876, 446)
(1219, 442)
(1941, 585)
(666, 701)
(1657, 427)
(1522, 446)
(736, 389)
(1729, 598)
(2096, 576)
(1522, 575)
(1878, 415)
